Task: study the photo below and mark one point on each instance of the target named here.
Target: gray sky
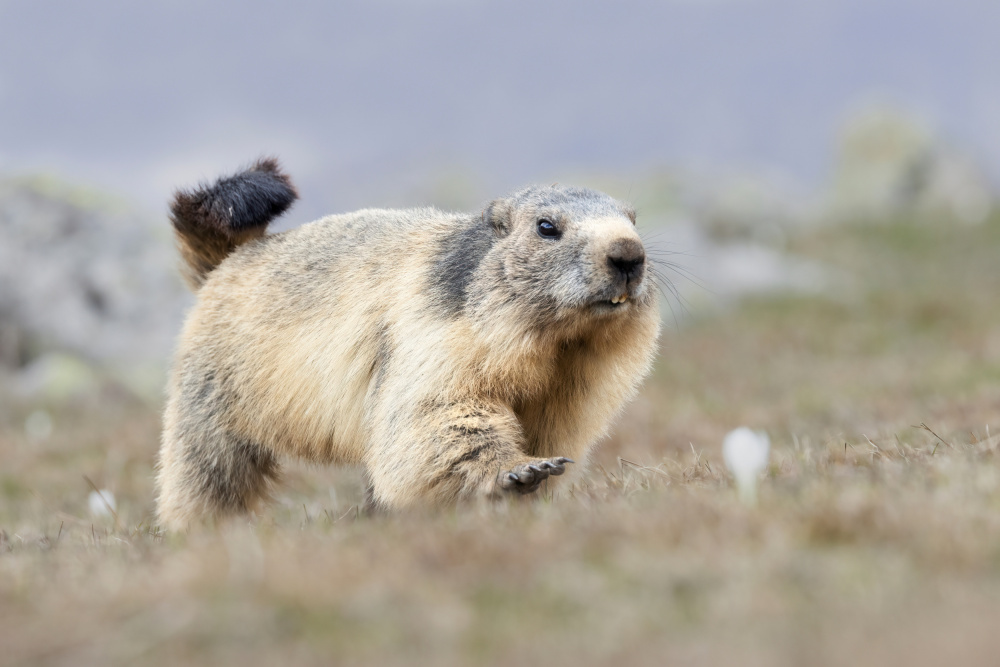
(368, 101)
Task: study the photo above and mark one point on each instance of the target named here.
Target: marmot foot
(527, 477)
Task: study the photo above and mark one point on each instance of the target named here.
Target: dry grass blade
(927, 428)
(639, 466)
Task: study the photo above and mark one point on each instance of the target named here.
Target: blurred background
(741, 119)
(818, 179)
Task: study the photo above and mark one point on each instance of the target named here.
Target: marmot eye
(547, 230)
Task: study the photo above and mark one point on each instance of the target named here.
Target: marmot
(450, 355)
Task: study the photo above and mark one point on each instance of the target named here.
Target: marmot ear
(499, 215)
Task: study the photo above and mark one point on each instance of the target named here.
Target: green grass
(875, 541)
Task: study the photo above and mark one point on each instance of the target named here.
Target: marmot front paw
(527, 477)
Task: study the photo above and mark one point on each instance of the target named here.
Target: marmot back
(452, 356)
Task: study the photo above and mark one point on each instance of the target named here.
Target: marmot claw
(527, 477)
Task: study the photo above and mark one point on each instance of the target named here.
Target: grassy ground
(875, 541)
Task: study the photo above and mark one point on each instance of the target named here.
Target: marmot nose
(627, 258)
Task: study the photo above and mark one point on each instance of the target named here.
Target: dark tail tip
(233, 204)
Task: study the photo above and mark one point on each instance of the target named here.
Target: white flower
(102, 503)
(745, 453)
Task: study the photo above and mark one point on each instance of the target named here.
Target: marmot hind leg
(206, 469)
(211, 477)
(455, 451)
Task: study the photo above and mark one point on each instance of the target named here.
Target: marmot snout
(451, 355)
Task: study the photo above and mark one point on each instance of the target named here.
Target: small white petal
(101, 503)
(745, 454)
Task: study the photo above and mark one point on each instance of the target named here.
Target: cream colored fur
(334, 342)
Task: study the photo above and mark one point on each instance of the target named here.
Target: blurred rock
(709, 274)
(751, 208)
(38, 426)
(57, 376)
(83, 275)
(891, 165)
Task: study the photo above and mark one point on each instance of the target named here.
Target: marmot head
(569, 251)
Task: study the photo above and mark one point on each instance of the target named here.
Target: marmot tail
(211, 221)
